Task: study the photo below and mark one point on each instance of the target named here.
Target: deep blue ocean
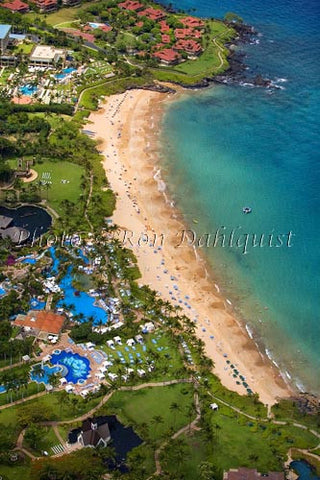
(227, 147)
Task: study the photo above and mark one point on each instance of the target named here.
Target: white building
(45, 55)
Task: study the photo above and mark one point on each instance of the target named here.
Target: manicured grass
(89, 99)
(72, 24)
(138, 408)
(248, 404)
(207, 64)
(288, 411)
(266, 445)
(60, 16)
(48, 440)
(58, 191)
(24, 48)
(15, 472)
(65, 429)
(167, 359)
(58, 407)
(31, 389)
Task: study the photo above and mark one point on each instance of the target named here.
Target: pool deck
(64, 344)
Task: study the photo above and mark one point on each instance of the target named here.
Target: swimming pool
(77, 367)
(28, 89)
(82, 302)
(2, 291)
(2, 389)
(35, 304)
(47, 372)
(64, 73)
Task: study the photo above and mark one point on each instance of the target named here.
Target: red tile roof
(153, 14)
(131, 5)
(164, 26)
(168, 55)
(187, 32)
(192, 22)
(165, 38)
(139, 24)
(105, 28)
(189, 46)
(42, 320)
(77, 33)
(16, 6)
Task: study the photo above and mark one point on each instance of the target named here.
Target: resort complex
(119, 355)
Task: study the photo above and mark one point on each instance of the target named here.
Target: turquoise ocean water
(230, 146)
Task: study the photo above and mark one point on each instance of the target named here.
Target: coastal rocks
(154, 87)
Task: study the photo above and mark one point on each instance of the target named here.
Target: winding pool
(76, 367)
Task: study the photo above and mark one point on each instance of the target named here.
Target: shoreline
(127, 126)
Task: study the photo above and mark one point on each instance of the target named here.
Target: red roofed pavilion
(192, 22)
(131, 5)
(165, 38)
(189, 46)
(168, 56)
(16, 6)
(153, 14)
(41, 322)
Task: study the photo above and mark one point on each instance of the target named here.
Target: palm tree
(174, 407)
(156, 421)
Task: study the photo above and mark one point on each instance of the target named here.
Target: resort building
(191, 47)
(94, 433)
(131, 5)
(187, 33)
(15, 234)
(16, 6)
(165, 38)
(4, 37)
(164, 27)
(44, 56)
(40, 323)
(192, 22)
(46, 5)
(153, 14)
(168, 56)
(251, 474)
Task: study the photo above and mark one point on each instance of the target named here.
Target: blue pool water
(56, 262)
(35, 304)
(31, 261)
(78, 367)
(28, 89)
(230, 146)
(304, 470)
(69, 70)
(2, 292)
(2, 389)
(82, 302)
(48, 371)
(65, 72)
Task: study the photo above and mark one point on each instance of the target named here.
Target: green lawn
(60, 16)
(57, 406)
(24, 48)
(48, 440)
(138, 408)
(266, 446)
(58, 191)
(207, 64)
(167, 359)
(15, 472)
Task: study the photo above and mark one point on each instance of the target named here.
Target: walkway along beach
(128, 126)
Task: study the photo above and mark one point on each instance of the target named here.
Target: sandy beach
(128, 125)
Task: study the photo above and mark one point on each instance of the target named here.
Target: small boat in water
(247, 210)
